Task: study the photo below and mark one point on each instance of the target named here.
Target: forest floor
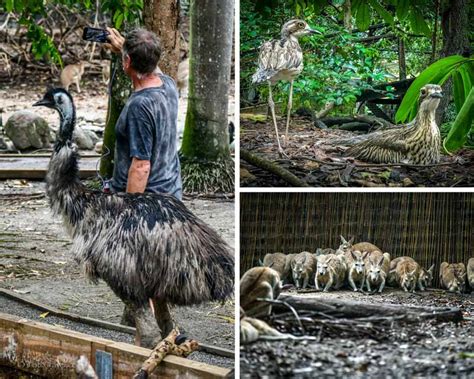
(318, 162)
(35, 262)
(421, 350)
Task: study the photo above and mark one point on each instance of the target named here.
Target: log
(358, 309)
(272, 167)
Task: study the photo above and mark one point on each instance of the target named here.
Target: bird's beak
(437, 95)
(313, 31)
(43, 102)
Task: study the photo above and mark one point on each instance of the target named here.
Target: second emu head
(61, 100)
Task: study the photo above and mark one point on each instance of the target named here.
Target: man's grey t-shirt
(146, 129)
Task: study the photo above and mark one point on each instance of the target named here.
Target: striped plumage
(282, 59)
(144, 246)
(419, 142)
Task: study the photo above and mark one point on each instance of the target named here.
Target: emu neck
(67, 117)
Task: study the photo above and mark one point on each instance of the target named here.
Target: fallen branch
(357, 309)
(269, 166)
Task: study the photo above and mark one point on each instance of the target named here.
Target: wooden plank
(52, 351)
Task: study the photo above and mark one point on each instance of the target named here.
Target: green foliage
(462, 126)
(42, 44)
(460, 68)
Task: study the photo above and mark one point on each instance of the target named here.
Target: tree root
(208, 177)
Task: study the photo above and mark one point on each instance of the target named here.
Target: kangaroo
(377, 270)
(72, 73)
(259, 283)
(453, 276)
(407, 273)
(470, 273)
(356, 268)
(425, 277)
(303, 267)
(278, 262)
(105, 71)
(345, 245)
(330, 271)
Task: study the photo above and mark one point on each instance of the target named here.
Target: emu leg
(163, 317)
(142, 319)
(272, 108)
(290, 104)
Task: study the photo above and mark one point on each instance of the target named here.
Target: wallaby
(345, 245)
(328, 250)
(330, 271)
(470, 273)
(72, 73)
(356, 268)
(303, 267)
(183, 76)
(377, 269)
(425, 277)
(105, 71)
(407, 272)
(259, 283)
(453, 276)
(278, 262)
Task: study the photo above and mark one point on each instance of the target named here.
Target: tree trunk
(207, 164)
(454, 24)
(162, 17)
(119, 91)
(402, 64)
(347, 16)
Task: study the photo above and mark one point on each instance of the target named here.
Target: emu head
(297, 28)
(61, 100)
(430, 96)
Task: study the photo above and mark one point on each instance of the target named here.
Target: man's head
(141, 52)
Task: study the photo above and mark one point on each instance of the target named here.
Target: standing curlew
(282, 59)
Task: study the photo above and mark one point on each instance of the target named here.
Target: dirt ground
(318, 162)
(35, 262)
(423, 350)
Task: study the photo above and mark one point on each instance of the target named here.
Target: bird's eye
(423, 92)
(302, 24)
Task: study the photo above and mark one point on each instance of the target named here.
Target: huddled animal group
(364, 267)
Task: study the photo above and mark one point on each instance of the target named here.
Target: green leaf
(118, 21)
(402, 9)
(462, 125)
(381, 11)
(458, 90)
(436, 73)
(9, 5)
(362, 16)
(418, 23)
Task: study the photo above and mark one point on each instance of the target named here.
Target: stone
(84, 139)
(28, 130)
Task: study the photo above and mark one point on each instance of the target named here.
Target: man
(146, 156)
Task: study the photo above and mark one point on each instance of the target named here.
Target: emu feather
(144, 246)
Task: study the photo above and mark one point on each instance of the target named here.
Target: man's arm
(138, 175)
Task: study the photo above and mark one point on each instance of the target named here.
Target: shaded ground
(35, 262)
(424, 350)
(319, 163)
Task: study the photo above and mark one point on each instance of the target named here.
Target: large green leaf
(436, 73)
(418, 23)
(462, 125)
(362, 14)
(381, 11)
(402, 9)
(458, 90)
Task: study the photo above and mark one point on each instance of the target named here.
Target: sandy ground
(424, 350)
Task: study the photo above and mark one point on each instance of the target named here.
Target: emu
(144, 246)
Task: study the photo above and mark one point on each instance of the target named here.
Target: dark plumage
(417, 143)
(145, 246)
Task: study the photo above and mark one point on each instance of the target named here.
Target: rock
(84, 139)
(28, 130)
(6, 144)
(98, 147)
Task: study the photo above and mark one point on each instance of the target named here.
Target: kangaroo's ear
(343, 240)
(260, 262)
(351, 241)
(364, 254)
(381, 261)
(431, 269)
(354, 256)
(329, 260)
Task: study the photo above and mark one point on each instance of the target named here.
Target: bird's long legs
(290, 104)
(163, 317)
(272, 108)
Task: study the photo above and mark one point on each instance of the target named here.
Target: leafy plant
(462, 126)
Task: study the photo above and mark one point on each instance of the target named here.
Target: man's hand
(116, 41)
(138, 175)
